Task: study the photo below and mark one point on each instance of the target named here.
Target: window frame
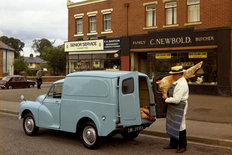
(123, 86)
(173, 14)
(105, 23)
(153, 18)
(190, 4)
(92, 24)
(77, 27)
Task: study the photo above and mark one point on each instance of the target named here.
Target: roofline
(71, 4)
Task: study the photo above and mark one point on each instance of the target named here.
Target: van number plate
(134, 129)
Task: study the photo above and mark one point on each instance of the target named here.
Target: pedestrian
(39, 78)
(177, 108)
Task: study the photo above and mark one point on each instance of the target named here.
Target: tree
(55, 58)
(39, 45)
(20, 65)
(13, 43)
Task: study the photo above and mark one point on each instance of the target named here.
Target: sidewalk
(209, 120)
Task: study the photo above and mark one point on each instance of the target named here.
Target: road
(14, 141)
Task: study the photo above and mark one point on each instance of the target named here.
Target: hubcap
(29, 124)
(89, 135)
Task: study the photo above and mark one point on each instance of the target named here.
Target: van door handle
(57, 102)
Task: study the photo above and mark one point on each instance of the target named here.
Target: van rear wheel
(130, 136)
(89, 135)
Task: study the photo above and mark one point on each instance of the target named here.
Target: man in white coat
(177, 107)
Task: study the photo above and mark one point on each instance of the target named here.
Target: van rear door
(129, 99)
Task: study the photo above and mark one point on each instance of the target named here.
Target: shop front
(101, 54)
(155, 53)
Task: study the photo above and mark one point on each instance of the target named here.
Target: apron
(174, 116)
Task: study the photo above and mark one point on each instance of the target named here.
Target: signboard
(112, 43)
(89, 45)
(163, 55)
(174, 38)
(192, 55)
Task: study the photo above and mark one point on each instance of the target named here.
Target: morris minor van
(93, 104)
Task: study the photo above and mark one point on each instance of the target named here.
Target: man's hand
(164, 96)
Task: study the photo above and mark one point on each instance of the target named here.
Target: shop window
(160, 64)
(193, 10)
(150, 15)
(94, 62)
(171, 13)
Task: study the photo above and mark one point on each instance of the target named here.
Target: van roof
(106, 74)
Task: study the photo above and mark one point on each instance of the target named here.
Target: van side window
(128, 86)
(56, 91)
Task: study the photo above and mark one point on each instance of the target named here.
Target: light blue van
(94, 104)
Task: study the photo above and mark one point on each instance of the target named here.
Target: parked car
(93, 104)
(16, 81)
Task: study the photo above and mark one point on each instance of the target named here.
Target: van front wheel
(130, 136)
(89, 135)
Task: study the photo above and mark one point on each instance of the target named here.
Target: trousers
(181, 143)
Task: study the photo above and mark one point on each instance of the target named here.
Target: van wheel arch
(81, 122)
(25, 112)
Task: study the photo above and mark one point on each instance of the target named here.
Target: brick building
(150, 36)
(6, 60)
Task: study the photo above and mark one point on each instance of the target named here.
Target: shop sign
(164, 39)
(192, 55)
(89, 45)
(112, 43)
(163, 55)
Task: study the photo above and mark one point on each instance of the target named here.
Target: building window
(193, 10)
(171, 13)
(150, 15)
(79, 23)
(107, 22)
(92, 24)
(161, 62)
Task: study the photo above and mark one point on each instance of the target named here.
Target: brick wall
(214, 13)
(125, 63)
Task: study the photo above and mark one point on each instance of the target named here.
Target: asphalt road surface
(14, 141)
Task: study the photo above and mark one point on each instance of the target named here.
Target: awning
(94, 52)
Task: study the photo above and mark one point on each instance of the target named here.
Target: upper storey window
(79, 24)
(193, 10)
(92, 22)
(150, 15)
(107, 14)
(171, 13)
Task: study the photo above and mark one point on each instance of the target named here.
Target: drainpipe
(126, 5)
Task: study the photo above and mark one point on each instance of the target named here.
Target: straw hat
(176, 70)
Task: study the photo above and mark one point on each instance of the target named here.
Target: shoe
(181, 150)
(169, 147)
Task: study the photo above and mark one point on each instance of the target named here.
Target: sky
(28, 20)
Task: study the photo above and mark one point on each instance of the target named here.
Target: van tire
(29, 125)
(89, 135)
(130, 136)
